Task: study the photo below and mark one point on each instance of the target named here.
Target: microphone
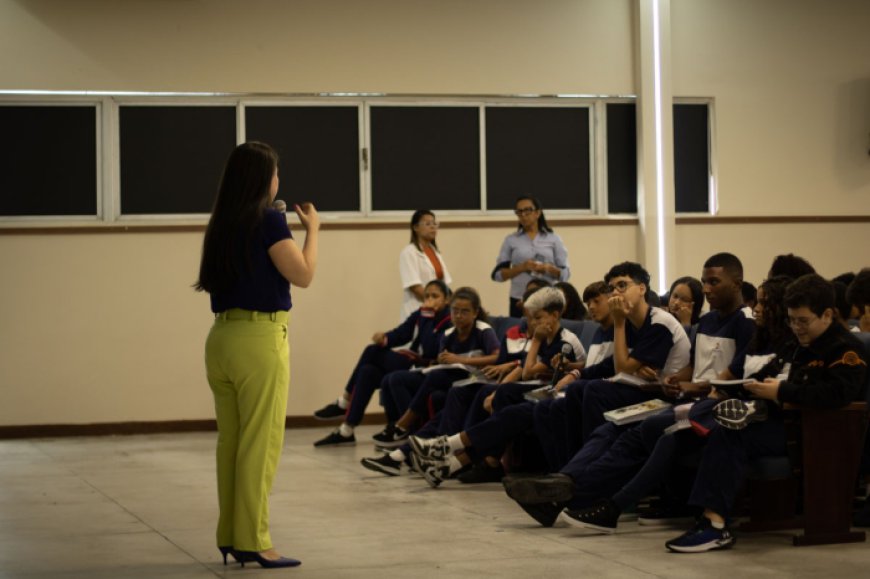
(279, 205)
(559, 370)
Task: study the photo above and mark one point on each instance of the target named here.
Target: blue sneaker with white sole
(701, 538)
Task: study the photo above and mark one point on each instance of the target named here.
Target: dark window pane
(691, 158)
(172, 157)
(48, 160)
(542, 152)
(621, 158)
(425, 157)
(319, 150)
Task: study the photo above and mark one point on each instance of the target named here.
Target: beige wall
(105, 327)
(791, 81)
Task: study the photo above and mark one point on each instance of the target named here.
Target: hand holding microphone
(559, 370)
(307, 214)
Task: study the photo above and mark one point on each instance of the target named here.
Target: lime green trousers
(247, 361)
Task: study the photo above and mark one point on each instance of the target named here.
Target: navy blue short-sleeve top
(262, 287)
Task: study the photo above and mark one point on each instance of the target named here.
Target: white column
(655, 141)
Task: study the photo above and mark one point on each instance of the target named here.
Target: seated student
(514, 345)
(545, 354)
(685, 300)
(558, 433)
(611, 468)
(471, 342)
(617, 452)
(657, 341)
(858, 295)
(423, 329)
(827, 370)
(550, 345)
(648, 343)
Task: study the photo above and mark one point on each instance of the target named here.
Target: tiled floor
(145, 506)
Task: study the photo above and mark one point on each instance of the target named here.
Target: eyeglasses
(428, 224)
(619, 286)
(459, 312)
(525, 211)
(801, 323)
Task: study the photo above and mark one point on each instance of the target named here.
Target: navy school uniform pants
(557, 424)
(490, 437)
(725, 460)
(463, 408)
(614, 455)
(374, 363)
(412, 390)
(511, 393)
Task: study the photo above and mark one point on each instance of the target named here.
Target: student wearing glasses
(470, 344)
(533, 251)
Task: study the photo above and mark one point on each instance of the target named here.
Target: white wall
(105, 328)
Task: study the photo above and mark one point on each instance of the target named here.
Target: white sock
(455, 442)
(454, 463)
(397, 455)
(342, 402)
(716, 525)
(346, 430)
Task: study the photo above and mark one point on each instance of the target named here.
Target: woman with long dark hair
(420, 261)
(532, 251)
(249, 260)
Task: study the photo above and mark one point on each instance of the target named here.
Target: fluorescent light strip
(660, 179)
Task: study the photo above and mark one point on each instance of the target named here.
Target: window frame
(102, 178)
(107, 106)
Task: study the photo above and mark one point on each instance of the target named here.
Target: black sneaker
(545, 513)
(391, 437)
(602, 516)
(336, 439)
(738, 414)
(482, 473)
(701, 538)
(383, 464)
(330, 412)
(434, 471)
(549, 488)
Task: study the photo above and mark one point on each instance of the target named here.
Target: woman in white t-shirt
(420, 262)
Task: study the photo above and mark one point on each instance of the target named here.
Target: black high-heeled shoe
(228, 551)
(248, 556)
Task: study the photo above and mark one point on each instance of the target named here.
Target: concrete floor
(145, 506)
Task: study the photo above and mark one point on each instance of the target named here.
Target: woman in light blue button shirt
(533, 251)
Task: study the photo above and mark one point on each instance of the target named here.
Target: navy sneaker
(701, 538)
(383, 464)
(602, 516)
(336, 439)
(330, 412)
